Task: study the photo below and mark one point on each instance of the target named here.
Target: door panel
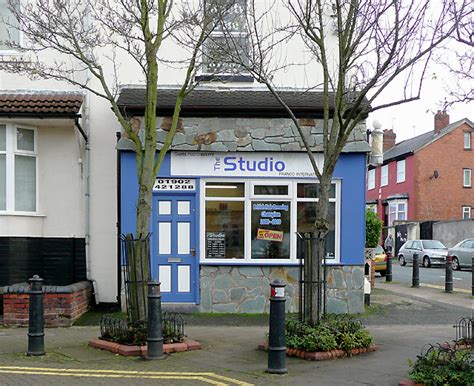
(174, 259)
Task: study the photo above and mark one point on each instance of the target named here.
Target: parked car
(462, 254)
(429, 252)
(380, 260)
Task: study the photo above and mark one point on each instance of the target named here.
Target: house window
(256, 221)
(8, 27)
(371, 179)
(397, 211)
(384, 176)
(18, 168)
(466, 212)
(467, 178)
(467, 141)
(230, 33)
(371, 207)
(401, 171)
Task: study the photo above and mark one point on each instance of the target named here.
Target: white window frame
(11, 151)
(248, 197)
(10, 52)
(371, 207)
(467, 140)
(467, 178)
(401, 167)
(397, 212)
(384, 176)
(466, 212)
(371, 179)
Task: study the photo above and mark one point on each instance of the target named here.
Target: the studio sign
(232, 163)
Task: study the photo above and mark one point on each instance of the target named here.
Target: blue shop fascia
(232, 194)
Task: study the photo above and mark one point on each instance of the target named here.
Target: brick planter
(62, 304)
(320, 355)
(126, 350)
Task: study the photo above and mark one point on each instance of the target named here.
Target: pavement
(401, 320)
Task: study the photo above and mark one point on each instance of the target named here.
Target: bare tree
(79, 42)
(361, 47)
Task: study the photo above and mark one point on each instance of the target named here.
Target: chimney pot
(389, 139)
(441, 120)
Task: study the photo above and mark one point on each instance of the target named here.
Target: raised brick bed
(126, 350)
(320, 355)
(62, 304)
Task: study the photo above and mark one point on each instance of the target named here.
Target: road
(431, 276)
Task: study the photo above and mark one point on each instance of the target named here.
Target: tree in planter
(373, 229)
(361, 47)
(79, 42)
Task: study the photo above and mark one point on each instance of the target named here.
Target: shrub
(332, 332)
(443, 367)
(373, 229)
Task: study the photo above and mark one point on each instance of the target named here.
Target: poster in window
(215, 243)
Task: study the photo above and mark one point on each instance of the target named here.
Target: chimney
(389, 138)
(441, 120)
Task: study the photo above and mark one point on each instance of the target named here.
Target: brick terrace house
(428, 177)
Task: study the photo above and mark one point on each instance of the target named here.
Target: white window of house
(397, 211)
(8, 22)
(371, 179)
(256, 221)
(401, 171)
(384, 175)
(467, 141)
(466, 212)
(371, 207)
(467, 178)
(18, 168)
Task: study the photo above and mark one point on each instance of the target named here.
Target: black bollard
(276, 336)
(448, 277)
(35, 322)
(388, 274)
(415, 280)
(154, 339)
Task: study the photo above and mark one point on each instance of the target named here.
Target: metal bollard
(472, 277)
(35, 322)
(388, 274)
(415, 280)
(448, 277)
(154, 339)
(276, 336)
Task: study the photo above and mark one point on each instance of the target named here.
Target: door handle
(193, 251)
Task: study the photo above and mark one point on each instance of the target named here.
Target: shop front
(227, 210)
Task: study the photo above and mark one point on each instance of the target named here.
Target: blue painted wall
(350, 169)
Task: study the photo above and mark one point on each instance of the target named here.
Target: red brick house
(428, 177)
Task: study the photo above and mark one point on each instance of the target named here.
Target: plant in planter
(341, 332)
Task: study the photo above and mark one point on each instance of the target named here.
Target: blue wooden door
(174, 247)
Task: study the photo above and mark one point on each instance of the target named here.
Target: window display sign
(251, 164)
(215, 245)
(266, 234)
(182, 184)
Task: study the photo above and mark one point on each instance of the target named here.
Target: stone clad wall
(247, 134)
(246, 289)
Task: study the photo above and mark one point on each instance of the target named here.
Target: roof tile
(40, 102)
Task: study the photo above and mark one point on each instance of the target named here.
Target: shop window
(257, 221)
(18, 152)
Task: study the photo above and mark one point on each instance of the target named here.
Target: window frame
(400, 172)
(371, 179)
(11, 150)
(8, 51)
(384, 181)
(467, 143)
(466, 172)
(464, 211)
(397, 203)
(248, 198)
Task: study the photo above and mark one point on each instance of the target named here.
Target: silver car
(429, 252)
(462, 254)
